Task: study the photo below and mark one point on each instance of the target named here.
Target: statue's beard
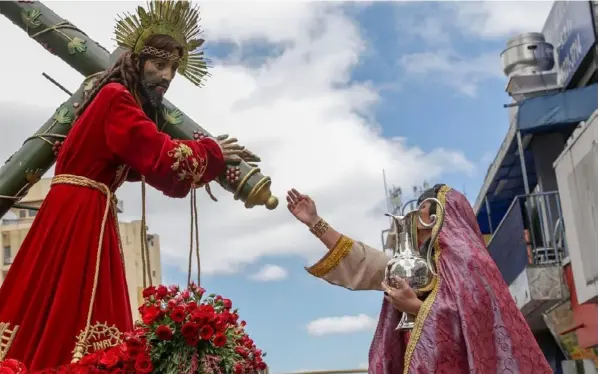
(149, 91)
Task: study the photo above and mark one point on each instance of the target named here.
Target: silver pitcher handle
(396, 220)
(440, 216)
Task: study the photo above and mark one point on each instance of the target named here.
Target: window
(154, 273)
(32, 212)
(7, 256)
(22, 213)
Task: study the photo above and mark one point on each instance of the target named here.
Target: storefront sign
(571, 29)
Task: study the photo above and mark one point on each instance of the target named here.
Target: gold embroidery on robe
(332, 258)
(7, 335)
(186, 164)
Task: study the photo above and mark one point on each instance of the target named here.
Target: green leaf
(77, 45)
(30, 17)
(174, 117)
(63, 116)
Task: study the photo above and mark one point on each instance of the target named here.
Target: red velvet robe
(47, 291)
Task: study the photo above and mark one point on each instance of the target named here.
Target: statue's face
(425, 215)
(156, 78)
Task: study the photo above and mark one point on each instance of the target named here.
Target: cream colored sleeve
(352, 265)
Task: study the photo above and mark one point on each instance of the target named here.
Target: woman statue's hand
(302, 207)
(403, 298)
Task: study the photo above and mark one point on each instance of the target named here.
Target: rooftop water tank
(527, 54)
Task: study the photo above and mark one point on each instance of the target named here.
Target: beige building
(15, 226)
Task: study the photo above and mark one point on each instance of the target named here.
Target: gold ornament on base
(98, 337)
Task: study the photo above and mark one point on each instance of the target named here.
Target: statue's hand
(240, 152)
(231, 149)
(302, 207)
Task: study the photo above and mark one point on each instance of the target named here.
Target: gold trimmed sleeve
(332, 258)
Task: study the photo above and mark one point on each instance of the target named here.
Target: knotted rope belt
(76, 180)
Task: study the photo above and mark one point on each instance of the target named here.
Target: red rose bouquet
(180, 332)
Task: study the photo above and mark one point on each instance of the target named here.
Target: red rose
(7, 370)
(151, 314)
(198, 291)
(171, 303)
(89, 360)
(178, 314)
(109, 359)
(243, 323)
(238, 369)
(189, 329)
(261, 365)
(149, 291)
(185, 294)
(78, 369)
(228, 304)
(143, 365)
(192, 341)
(164, 332)
(219, 340)
(191, 307)
(206, 332)
(241, 351)
(15, 365)
(161, 292)
(132, 347)
(118, 371)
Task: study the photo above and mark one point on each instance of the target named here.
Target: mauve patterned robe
(469, 323)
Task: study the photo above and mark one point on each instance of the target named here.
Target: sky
(328, 94)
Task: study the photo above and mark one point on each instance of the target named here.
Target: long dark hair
(431, 192)
(127, 69)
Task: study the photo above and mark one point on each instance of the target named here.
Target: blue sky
(328, 94)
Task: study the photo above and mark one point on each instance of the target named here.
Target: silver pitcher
(407, 262)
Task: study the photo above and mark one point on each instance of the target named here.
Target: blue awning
(559, 112)
(546, 113)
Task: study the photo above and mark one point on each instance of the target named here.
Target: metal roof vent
(528, 62)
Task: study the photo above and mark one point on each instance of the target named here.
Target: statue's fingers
(229, 141)
(234, 147)
(253, 158)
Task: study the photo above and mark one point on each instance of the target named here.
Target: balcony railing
(531, 233)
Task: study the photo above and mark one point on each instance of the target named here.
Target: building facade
(538, 203)
(16, 224)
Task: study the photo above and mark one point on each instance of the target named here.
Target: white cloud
(459, 72)
(299, 111)
(500, 19)
(270, 273)
(443, 26)
(341, 325)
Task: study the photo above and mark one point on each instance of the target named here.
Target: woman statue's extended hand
(302, 207)
(403, 298)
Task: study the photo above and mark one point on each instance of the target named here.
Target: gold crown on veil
(177, 19)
